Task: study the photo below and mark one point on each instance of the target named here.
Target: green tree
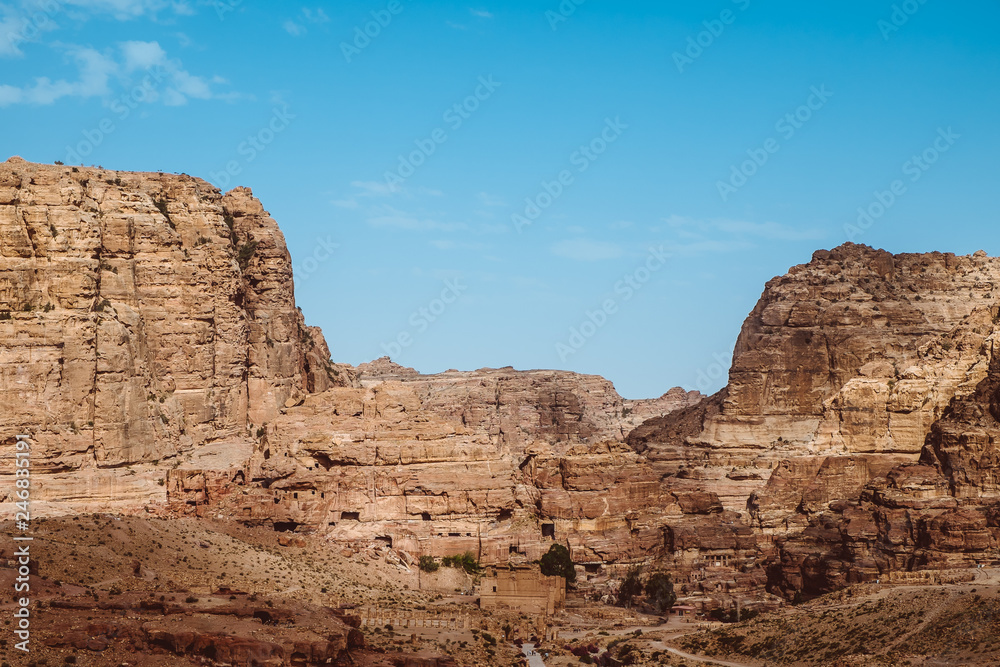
(631, 587)
(660, 591)
(557, 563)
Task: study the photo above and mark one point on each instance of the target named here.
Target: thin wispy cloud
(294, 29)
(368, 190)
(297, 27)
(481, 13)
(764, 230)
(491, 200)
(587, 250)
(720, 235)
(133, 61)
(397, 219)
(95, 72)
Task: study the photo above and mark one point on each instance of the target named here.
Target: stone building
(524, 590)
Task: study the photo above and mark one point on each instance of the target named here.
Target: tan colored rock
(131, 332)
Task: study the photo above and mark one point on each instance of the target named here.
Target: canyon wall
(142, 316)
(840, 373)
(151, 346)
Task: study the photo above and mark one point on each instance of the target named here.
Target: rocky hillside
(849, 371)
(152, 348)
(142, 316)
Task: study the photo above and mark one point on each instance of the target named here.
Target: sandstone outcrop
(497, 462)
(142, 316)
(151, 346)
(839, 374)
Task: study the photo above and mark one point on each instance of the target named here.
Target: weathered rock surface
(142, 316)
(840, 373)
(498, 462)
(150, 345)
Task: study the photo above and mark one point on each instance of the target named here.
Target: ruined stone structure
(523, 590)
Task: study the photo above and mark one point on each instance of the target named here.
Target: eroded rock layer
(152, 349)
(142, 316)
(840, 373)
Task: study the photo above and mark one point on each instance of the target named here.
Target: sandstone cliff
(142, 316)
(839, 374)
(152, 348)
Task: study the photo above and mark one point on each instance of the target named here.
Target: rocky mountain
(142, 316)
(853, 435)
(152, 349)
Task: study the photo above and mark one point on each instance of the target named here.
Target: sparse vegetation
(245, 254)
(466, 561)
(557, 562)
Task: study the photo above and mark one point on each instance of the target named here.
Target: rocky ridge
(154, 352)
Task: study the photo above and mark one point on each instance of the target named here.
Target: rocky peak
(143, 315)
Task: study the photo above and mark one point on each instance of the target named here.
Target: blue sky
(579, 208)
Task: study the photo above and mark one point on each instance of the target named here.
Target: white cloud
(295, 28)
(693, 228)
(26, 21)
(447, 244)
(381, 189)
(95, 70)
(481, 13)
(128, 9)
(316, 16)
(394, 218)
(491, 200)
(173, 84)
(585, 250)
(142, 55)
(713, 236)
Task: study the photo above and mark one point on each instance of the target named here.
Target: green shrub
(246, 253)
(428, 564)
(466, 561)
(557, 563)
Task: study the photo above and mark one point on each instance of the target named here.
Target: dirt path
(697, 658)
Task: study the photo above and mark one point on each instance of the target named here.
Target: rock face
(841, 371)
(142, 316)
(151, 347)
(498, 462)
(153, 351)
